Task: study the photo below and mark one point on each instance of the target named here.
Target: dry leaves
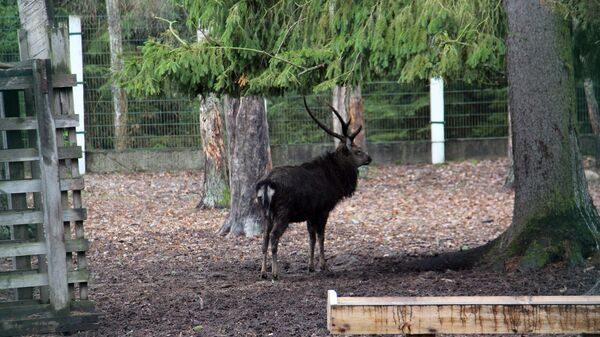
(160, 270)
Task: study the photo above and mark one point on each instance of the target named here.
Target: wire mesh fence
(393, 112)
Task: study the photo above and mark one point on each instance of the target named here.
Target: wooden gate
(43, 266)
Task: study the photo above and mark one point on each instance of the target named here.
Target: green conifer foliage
(268, 47)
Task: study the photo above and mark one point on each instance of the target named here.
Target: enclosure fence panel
(393, 112)
(43, 267)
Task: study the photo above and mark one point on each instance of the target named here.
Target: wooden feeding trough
(463, 315)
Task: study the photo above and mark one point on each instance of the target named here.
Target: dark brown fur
(308, 192)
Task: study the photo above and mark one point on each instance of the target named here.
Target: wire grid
(9, 39)
(153, 123)
(475, 111)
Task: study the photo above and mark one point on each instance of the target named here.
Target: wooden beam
(35, 185)
(31, 154)
(14, 155)
(25, 217)
(463, 315)
(31, 123)
(11, 248)
(21, 279)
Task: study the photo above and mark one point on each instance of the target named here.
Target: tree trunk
(554, 218)
(119, 95)
(356, 114)
(249, 160)
(347, 100)
(216, 187)
(338, 102)
(593, 113)
(509, 181)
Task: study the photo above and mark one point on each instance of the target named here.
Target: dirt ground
(159, 269)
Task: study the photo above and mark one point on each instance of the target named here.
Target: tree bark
(119, 95)
(338, 102)
(357, 115)
(347, 100)
(249, 160)
(216, 187)
(593, 113)
(554, 218)
(509, 181)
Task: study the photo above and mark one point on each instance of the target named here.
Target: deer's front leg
(323, 264)
(312, 238)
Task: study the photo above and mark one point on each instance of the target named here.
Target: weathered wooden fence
(43, 266)
(464, 315)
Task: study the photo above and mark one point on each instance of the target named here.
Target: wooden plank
(14, 155)
(25, 217)
(470, 300)
(53, 226)
(30, 123)
(16, 170)
(31, 154)
(35, 185)
(18, 123)
(464, 315)
(10, 248)
(25, 310)
(64, 81)
(80, 306)
(16, 83)
(56, 324)
(22, 217)
(70, 152)
(21, 279)
(17, 78)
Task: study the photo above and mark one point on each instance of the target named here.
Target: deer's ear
(348, 142)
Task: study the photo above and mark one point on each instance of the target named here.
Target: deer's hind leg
(279, 227)
(265, 248)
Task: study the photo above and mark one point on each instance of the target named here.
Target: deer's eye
(359, 152)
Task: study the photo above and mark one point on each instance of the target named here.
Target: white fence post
(76, 57)
(436, 93)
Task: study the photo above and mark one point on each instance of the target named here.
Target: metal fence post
(76, 58)
(436, 92)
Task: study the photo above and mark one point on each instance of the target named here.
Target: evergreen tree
(275, 46)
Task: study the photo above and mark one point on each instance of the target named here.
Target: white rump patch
(270, 192)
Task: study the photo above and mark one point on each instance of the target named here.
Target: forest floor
(159, 269)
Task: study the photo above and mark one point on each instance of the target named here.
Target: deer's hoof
(311, 269)
(263, 275)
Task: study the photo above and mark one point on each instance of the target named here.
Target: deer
(309, 192)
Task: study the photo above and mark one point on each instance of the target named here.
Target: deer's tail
(264, 195)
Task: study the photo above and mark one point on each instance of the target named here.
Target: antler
(345, 125)
(321, 125)
(339, 117)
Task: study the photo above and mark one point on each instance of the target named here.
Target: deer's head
(347, 147)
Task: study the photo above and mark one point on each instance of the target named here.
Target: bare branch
(172, 30)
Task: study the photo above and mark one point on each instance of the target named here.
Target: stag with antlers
(308, 192)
